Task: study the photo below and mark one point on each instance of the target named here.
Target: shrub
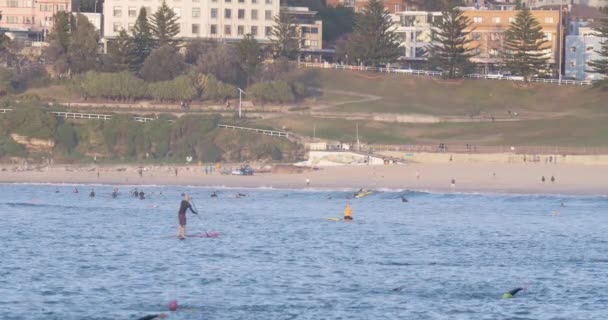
(116, 86)
(216, 90)
(180, 88)
(31, 121)
(274, 91)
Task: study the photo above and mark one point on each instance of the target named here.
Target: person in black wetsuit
(142, 195)
(512, 293)
(92, 194)
(181, 216)
(153, 317)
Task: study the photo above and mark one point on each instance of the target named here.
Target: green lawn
(411, 94)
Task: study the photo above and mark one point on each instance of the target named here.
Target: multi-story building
(488, 28)
(487, 32)
(390, 5)
(582, 48)
(214, 19)
(31, 18)
(309, 27)
(415, 30)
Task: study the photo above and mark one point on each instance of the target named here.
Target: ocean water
(438, 256)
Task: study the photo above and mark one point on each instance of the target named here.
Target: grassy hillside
(548, 115)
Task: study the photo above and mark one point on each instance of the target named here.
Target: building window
(213, 29)
(130, 26)
(254, 1)
(477, 20)
(241, 1)
(46, 7)
(495, 36)
(573, 49)
(511, 19)
(268, 14)
(240, 30)
(116, 26)
(117, 12)
(573, 63)
(132, 12)
(254, 14)
(228, 1)
(268, 1)
(148, 10)
(548, 19)
(241, 14)
(213, 13)
(28, 4)
(493, 53)
(227, 13)
(12, 3)
(496, 20)
(548, 36)
(196, 12)
(61, 7)
(476, 36)
(227, 30)
(12, 19)
(254, 31)
(196, 28)
(268, 31)
(314, 30)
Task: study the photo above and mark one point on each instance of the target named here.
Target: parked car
(243, 171)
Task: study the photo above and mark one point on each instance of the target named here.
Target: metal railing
(430, 73)
(473, 149)
(262, 131)
(77, 115)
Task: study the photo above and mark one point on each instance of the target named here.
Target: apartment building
(31, 18)
(581, 48)
(415, 31)
(487, 32)
(309, 27)
(488, 28)
(227, 20)
(392, 6)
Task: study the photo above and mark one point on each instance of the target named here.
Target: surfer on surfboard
(181, 216)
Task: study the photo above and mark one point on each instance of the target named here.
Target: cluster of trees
(122, 138)
(600, 65)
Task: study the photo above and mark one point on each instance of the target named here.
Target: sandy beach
(575, 179)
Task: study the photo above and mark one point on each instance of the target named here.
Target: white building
(216, 19)
(414, 28)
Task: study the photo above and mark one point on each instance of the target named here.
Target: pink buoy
(173, 305)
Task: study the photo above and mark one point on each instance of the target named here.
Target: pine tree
(284, 36)
(120, 52)
(374, 40)
(83, 50)
(451, 48)
(249, 55)
(59, 42)
(164, 26)
(524, 44)
(141, 42)
(601, 65)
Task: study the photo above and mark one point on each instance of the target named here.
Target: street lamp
(241, 93)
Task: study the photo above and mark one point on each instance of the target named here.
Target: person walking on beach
(348, 213)
(453, 183)
(307, 182)
(542, 179)
(552, 179)
(181, 216)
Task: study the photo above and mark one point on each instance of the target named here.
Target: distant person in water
(75, 190)
(348, 213)
(142, 195)
(404, 199)
(92, 194)
(153, 317)
(512, 293)
(115, 193)
(181, 216)
(214, 194)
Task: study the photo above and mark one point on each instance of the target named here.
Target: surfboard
(334, 219)
(363, 194)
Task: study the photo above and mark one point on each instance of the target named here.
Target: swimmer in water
(115, 193)
(153, 317)
(142, 195)
(512, 293)
(240, 195)
(214, 194)
(75, 190)
(404, 199)
(92, 194)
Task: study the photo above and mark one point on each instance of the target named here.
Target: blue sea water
(438, 256)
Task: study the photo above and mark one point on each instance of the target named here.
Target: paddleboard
(334, 219)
